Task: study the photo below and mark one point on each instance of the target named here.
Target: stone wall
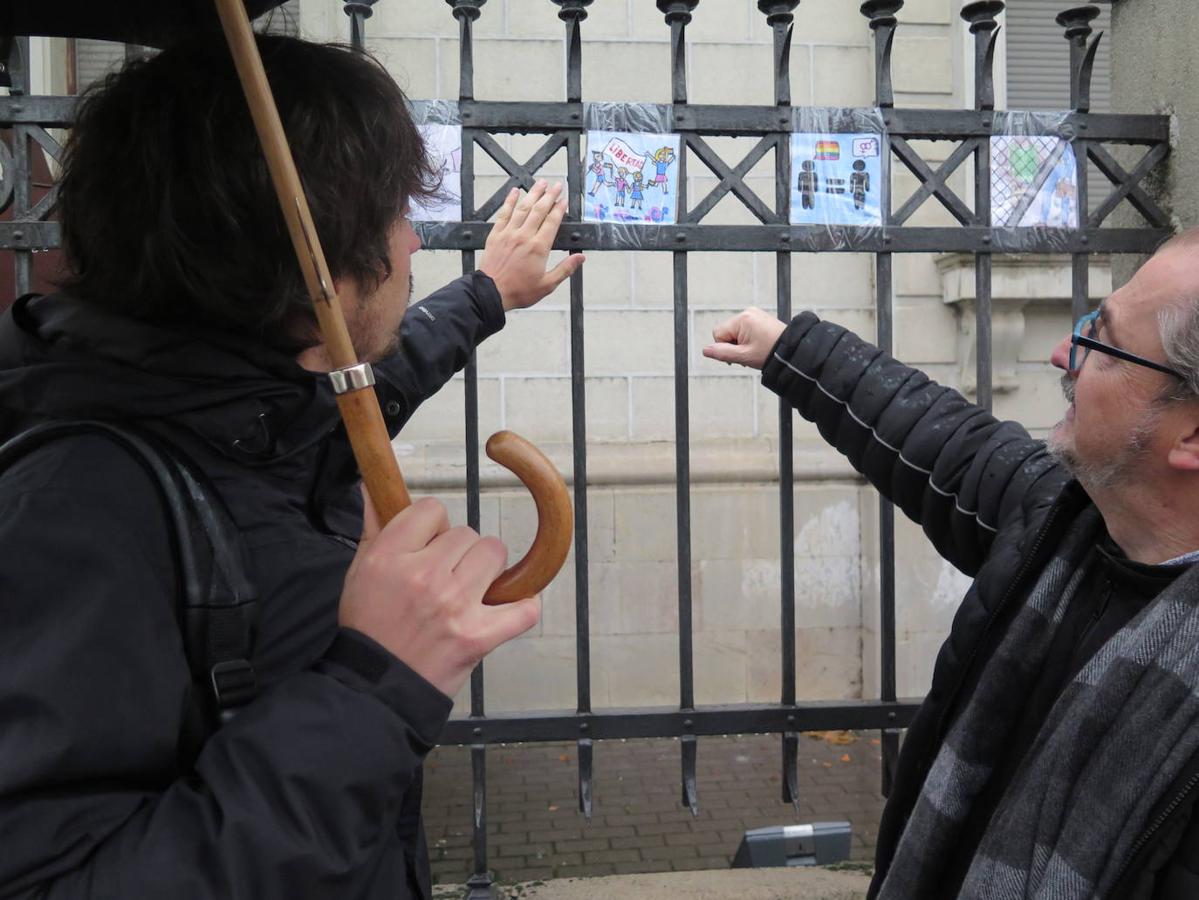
(1154, 68)
(524, 373)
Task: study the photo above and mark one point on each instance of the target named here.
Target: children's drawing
(444, 144)
(835, 179)
(630, 177)
(1033, 182)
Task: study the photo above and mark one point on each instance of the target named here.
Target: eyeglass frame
(1078, 339)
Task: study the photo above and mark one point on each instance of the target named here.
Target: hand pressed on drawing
(746, 338)
(416, 586)
(519, 244)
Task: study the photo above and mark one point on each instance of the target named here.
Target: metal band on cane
(352, 378)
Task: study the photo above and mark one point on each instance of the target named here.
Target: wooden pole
(359, 406)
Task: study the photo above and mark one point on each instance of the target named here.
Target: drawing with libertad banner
(630, 178)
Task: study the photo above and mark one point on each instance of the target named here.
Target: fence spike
(358, 11)
(791, 769)
(1083, 103)
(781, 18)
(585, 770)
(883, 23)
(573, 12)
(690, 745)
(981, 16)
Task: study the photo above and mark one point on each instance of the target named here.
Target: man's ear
(1184, 454)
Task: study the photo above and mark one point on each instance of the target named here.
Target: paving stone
(638, 825)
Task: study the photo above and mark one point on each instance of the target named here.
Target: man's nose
(1060, 356)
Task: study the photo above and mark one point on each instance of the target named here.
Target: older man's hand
(519, 245)
(745, 339)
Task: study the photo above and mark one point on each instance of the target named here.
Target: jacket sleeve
(437, 337)
(293, 798)
(948, 464)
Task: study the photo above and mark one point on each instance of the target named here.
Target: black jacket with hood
(994, 504)
(313, 790)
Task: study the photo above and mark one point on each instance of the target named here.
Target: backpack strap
(218, 604)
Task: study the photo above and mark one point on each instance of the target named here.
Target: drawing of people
(597, 169)
(1057, 209)
(859, 183)
(809, 184)
(662, 160)
(621, 184)
(637, 194)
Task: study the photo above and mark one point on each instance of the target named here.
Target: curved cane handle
(555, 519)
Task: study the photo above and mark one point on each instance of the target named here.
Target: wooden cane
(353, 381)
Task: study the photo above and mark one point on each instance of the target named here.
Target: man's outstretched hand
(746, 338)
(519, 245)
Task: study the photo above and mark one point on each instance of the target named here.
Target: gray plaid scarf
(1112, 744)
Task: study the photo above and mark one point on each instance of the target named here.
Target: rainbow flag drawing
(829, 150)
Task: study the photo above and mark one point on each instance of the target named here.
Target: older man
(1057, 751)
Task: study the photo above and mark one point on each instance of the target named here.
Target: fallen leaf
(840, 738)
(844, 757)
(553, 808)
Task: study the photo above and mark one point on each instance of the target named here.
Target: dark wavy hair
(168, 212)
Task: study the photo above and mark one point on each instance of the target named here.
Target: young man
(1057, 751)
(185, 314)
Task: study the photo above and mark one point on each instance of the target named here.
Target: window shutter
(1038, 57)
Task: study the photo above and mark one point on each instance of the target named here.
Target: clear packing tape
(839, 165)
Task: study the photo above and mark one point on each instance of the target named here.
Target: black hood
(61, 358)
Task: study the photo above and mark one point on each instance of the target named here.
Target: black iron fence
(30, 227)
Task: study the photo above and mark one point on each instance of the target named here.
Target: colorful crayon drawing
(835, 179)
(444, 143)
(1034, 181)
(628, 177)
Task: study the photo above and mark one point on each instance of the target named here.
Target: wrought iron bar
(22, 167)
(678, 15)
(358, 11)
(881, 14)
(1077, 24)
(479, 885)
(666, 722)
(819, 238)
(883, 25)
(545, 117)
(981, 16)
(780, 15)
(572, 13)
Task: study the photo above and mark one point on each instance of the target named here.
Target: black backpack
(218, 604)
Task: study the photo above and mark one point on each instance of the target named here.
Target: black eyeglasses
(1084, 336)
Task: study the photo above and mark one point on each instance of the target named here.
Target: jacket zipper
(1154, 826)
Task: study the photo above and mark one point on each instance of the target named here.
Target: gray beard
(1119, 468)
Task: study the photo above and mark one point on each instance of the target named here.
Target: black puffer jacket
(993, 503)
(313, 790)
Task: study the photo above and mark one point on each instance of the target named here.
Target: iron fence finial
(883, 23)
(466, 9)
(572, 10)
(981, 16)
(778, 12)
(1077, 24)
(677, 11)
